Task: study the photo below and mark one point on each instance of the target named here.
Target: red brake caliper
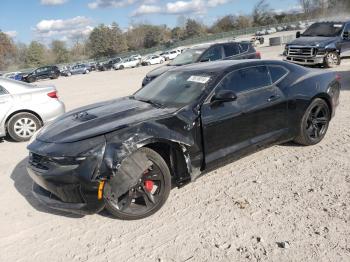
(148, 183)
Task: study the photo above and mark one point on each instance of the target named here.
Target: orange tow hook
(100, 189)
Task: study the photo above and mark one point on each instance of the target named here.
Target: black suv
(44, 72)
(205, 53)
(323, 43)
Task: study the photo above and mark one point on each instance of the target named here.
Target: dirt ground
(286, 203)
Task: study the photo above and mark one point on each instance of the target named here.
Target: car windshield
(174, 89)
(324, 29)
(188, 57)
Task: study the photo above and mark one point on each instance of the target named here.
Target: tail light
(53, 94)
(337, 77)
(258, 55)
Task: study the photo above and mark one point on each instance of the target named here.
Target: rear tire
(121, 211)
(314, 123)
(22, 126)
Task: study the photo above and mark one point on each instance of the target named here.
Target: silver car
(24, 108)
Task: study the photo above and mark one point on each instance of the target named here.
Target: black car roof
(222, 65)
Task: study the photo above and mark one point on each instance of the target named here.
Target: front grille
(301, 51)
(38, 161)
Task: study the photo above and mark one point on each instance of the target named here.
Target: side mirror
(298, 34)
(346, 35)
(224, 96)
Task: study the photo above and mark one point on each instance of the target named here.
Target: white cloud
(69, 28)
(110, 3)
(147, 9)
(290, 9)
(53, 2)
(11, 34)
(183, 7)
(179, 7)
(214, 3)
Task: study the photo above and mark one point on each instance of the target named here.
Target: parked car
(108, 65)
(170, 55)
(127, 154)
(65, 70)
(25, 108)
(80, 69)
(93, 66)
(323, 43)
(44, 72)
(153, 60)
(127, 63)
(205, 53)
(14, 75)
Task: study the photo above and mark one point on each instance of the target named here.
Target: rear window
(277, 72)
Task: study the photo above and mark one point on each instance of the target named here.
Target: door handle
(3, 102)
(273, 98)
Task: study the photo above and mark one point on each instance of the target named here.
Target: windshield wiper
(152, 102)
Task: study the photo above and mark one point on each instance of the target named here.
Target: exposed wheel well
(173, 156)
(22, 111)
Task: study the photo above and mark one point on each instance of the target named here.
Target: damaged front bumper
(66, 183)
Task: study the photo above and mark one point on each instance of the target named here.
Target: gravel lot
(286, 203)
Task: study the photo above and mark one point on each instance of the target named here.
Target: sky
(44, 20)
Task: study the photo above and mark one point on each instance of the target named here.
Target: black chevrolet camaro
(126, 154)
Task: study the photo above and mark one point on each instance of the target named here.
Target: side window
(3, 91)
(244, 47)
(214, 53)
(246, 79)
(277, 72)
(231, 49)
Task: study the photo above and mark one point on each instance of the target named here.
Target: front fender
(122, 143)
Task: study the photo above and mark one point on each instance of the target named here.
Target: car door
(345, 42)
(6, 102)
(249, 121)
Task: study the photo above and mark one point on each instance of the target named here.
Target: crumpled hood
(98, 119)
(159, 70)
(313, 41)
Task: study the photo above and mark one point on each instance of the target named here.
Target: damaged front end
(78, 176)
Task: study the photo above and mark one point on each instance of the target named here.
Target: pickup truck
(323, 43)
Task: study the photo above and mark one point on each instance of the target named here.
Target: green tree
(60, 52)
(7, 51)
(193, 28)
(35, 55)
(106, 41)
(225, 24)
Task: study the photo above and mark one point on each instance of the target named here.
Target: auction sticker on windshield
(337, 25)
(199, 79)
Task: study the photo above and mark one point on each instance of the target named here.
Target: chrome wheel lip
(25, 127)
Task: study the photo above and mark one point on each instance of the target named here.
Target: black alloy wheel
(315, 123)
(148, 195)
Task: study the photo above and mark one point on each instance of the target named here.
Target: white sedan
(153, 60)
(24, 108)
(130, 62)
